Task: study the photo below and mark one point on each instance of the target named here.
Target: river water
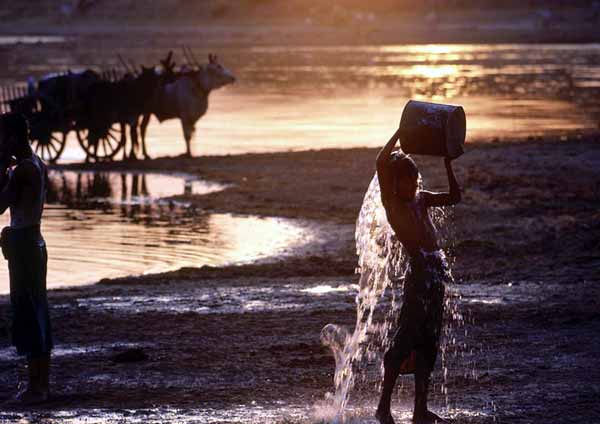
(103, 225)
(294, 98)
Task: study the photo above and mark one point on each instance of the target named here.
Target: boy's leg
(391, 372)
(398, 356)
(422, 414)
(31, 324)
(422, 379)
(36, 390)
(425, 365)
(398, 353)
(45, 374)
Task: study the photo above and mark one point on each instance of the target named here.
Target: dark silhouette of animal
(186, 98)
(138, 94)
(120, 102)
(143, 94)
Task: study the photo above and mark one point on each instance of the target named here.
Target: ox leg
(133, 135)
(188, 132)
(143, 128)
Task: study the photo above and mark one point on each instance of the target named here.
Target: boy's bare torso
(28, 203)
(412, 224)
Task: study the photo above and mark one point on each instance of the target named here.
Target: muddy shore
(530, 202)
(526, 258)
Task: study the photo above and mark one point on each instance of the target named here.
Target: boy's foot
(384, 417)
(28, 396)
(428, 418)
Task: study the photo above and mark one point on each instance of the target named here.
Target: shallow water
(227, 300)
(292, 98)
(73, 350)
(114, 224)
(30, 39)
(249, 414)
(255, 298)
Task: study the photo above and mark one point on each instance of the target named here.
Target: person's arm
(3, 176)
(384, 171)
(21, 176)
(444, 199)
(8, 192)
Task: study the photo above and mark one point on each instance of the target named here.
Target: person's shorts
(27, 264)
(419, 326)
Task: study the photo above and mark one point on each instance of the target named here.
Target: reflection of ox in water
(186, 98)
(99, 191)
(87, 191)
(128, 195)
(79, 190)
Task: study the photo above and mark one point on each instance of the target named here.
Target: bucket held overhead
(433, 129)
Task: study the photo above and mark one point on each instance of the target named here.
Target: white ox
(186, 98)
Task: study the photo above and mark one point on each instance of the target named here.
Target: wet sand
(527, 263)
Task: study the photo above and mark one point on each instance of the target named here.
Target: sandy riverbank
(526, 256)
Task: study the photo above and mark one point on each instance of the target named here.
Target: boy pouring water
(416, 342)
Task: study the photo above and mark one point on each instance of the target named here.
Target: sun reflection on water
(432, 71)
(306, 97)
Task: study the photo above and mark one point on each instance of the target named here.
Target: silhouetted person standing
(23, 182)
(415, 345)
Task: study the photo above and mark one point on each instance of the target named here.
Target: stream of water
(382, 263)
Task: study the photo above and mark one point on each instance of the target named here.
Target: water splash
(382, 263)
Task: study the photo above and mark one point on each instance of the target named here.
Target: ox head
(148, 80)
(213, 75)
(148, 75)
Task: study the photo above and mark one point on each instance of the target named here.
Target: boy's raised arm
(384, 171)
(444, 199)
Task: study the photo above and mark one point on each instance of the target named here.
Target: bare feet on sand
(32, 397)
(384, 417)
(28, 396)
(428, 418)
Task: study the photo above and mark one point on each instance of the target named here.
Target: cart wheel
(50, 146)
(102, 145)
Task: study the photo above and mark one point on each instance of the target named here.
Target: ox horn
(194, 60)
(125, 65)
(188, 60)
(134, 68)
